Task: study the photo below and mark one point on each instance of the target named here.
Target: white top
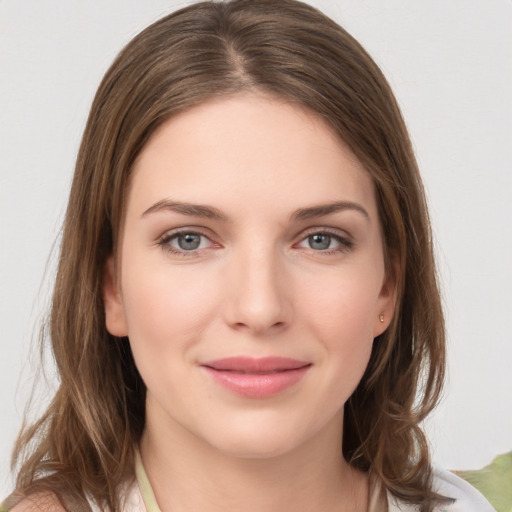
(140, 498)
(466, 497)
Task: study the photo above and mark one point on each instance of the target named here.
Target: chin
(253, 439)
(258, 447)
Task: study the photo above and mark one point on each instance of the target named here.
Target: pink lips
(256, 378)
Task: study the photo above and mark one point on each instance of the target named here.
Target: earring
(381, 318)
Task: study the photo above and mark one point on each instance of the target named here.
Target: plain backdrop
(450, 64)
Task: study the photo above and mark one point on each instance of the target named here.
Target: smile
(256, 377)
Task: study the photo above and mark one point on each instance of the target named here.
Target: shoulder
(40, 502)
(47, 501)
(465, 497)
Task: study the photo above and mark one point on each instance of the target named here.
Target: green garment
(494, 482)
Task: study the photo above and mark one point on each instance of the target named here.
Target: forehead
(250, 149)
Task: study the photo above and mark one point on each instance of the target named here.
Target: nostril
(243, 325)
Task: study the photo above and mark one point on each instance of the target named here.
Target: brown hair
(84, 443)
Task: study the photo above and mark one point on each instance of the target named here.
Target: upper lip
(255, 365)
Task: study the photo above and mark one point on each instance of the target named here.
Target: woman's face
(250, 277)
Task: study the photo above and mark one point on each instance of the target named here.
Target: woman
(246, 313)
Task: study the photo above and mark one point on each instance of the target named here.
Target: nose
(257, 293)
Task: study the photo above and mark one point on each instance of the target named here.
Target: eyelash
(345, 243)
(165, 242)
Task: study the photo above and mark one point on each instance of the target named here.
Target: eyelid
(345, 239)
(200, 230)
(164, 240)
(337, 232)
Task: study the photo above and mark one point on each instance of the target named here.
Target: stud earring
(381, 318)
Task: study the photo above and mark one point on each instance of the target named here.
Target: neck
(188, 475)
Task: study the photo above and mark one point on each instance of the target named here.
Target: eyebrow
(327, 209)
(209, 212)
(194, 210)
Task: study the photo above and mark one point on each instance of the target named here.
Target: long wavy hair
(83, 445)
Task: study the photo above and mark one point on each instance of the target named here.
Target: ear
(387, 298)
(115, 319)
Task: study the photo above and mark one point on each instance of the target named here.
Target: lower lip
(255, 385)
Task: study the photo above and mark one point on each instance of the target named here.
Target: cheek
(343, 306)
(167, 305)
(341, 316)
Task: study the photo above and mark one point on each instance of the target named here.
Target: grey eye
(188, 241)
(319, 242)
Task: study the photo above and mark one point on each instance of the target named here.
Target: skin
(257, 285)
